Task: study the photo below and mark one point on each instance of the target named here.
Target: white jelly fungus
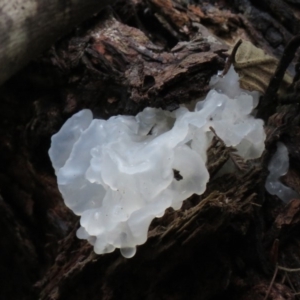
(278, 166)
(118, 174)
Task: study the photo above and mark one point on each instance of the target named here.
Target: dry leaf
(256, 68)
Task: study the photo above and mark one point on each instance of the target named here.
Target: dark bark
(222, 245)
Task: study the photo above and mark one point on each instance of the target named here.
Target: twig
(288, 269)
(290, 283)
(255, 204)
(271, 283)
(268, 105)
(231, 58)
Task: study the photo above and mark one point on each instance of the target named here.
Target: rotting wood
(218, 245)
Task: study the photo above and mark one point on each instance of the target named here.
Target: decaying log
(226, 244)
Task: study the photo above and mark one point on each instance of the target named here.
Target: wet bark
(225, 244)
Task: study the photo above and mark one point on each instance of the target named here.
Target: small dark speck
(151, 130)
(177, 175)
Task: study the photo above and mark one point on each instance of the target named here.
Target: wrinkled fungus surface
(118, 174)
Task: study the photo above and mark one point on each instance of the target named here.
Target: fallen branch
(30, 27)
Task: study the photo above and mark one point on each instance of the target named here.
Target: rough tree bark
(226, 244)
